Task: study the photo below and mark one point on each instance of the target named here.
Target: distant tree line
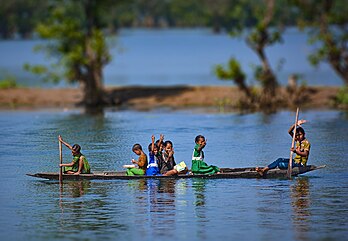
(326, 23)
(18, 18)
(78, 29)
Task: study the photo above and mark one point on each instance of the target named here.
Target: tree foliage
(327, 24)
(19, 17)
(265, 31)
(76, 41)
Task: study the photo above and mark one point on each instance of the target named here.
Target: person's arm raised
(299, 123)
(66, 144)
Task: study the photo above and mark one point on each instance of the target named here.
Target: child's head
(300, 134)
(199, 139)
(75, 150)
(137, 149)
(155, 149)
(168, 146)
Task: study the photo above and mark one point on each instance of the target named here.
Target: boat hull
(227, 173)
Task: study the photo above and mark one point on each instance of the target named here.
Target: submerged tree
(77, 42)
(327, 25)
(264, 32)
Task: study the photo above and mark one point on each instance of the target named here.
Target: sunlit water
(311, 207)
(177, 57)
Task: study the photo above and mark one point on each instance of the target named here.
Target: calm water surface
(311, 207)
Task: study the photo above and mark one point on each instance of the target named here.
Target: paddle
(292, 145)
(60, 161)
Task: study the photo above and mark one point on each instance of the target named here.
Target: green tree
(265, 30)
(77, 42)
(20, 17)
(326, 22)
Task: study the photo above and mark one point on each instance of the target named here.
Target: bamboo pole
(292, 145)
(60, 161)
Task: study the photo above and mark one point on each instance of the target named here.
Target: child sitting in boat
(142, 162)
(198, 164)
(152, 167)
(79, 163)
(167, 165)
(302, 151)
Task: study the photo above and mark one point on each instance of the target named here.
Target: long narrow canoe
(246, 172)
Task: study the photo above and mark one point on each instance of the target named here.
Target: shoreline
(144, 98)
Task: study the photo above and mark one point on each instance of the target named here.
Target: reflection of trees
(301, 205)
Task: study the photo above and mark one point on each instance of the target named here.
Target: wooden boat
(247, 172)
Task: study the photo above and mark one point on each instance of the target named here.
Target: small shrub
(342, 96)
(8, 83)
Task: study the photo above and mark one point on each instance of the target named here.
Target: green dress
(142, 163)
(86, 168)
(198, 164)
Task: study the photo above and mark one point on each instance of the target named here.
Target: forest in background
(78, 30)
(19, 18)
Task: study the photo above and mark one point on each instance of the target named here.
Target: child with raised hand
(142, 162)
(160, 145)
(166, 161)
(152, 167)
(302, 151)
(198, 164)
(79, 163)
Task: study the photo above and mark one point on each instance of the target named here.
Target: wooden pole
(292, 145)
(60, 161)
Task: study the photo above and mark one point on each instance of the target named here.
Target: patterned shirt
(304, 146)
(142, 162)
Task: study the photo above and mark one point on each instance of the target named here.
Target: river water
(311, 207)
(177, 57)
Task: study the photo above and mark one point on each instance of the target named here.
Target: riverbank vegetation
(76, 38)
(206, 98)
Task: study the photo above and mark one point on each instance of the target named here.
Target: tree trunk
(93, 89)
(269, 81)
(93, 79)
(336, 54)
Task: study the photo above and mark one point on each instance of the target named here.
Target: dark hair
(137, 147)
(150, 146)
(198, 137)
(168, 142)
(76, 148)
(157, 143)
(300, 129)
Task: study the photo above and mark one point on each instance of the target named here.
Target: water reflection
(300, 202)
(76, 188)
(155, 203)
(199, 186)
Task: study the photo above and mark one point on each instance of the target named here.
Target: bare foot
(259, 171)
